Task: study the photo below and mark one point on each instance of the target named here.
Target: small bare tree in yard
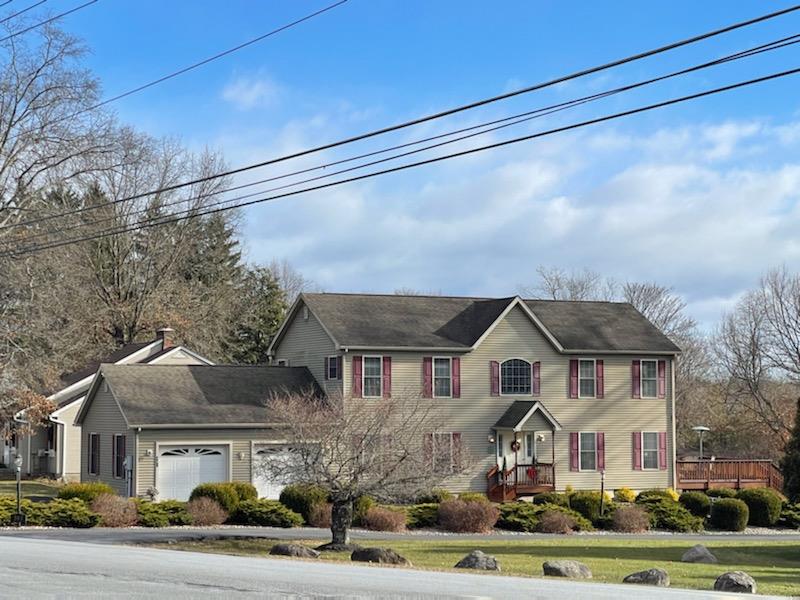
(385, 448)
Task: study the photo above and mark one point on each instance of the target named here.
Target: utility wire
(45, 22)
(485, 128)
(597, 120)
(6, 2)
(427, 118)
(24, 10)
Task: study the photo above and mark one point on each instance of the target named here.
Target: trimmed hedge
(721, 493)
(790, 516)
(467, 517)
(223, 494)
(647, 495)
(162, 514)
(422, 515)
(729, 514)
(473, 497)
(266, 513)
(668, 515)
(587, 504)
(72, 512)
(624, 494)
(244, 490)
(360, 508)
(523, 516)
(551, 498)
(302, 497)
(88, 492)
(764, 505)
(435, 496)
(696, 503)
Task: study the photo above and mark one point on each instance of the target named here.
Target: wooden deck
(736, 474)
(522, 480)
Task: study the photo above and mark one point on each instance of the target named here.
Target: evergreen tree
(790, 464)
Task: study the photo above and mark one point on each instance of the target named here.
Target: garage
(266, 484)
(181, 468)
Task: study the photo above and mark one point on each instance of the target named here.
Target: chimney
(165, 334)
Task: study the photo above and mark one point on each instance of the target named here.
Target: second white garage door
(266, 483)
(182, 468)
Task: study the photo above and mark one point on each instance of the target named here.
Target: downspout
(674, 426)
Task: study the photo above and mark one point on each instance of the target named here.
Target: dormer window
(515, 377)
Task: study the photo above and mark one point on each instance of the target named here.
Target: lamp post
(701, 431)
(19, 517)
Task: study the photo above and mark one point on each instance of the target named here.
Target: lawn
(29, 488)
(774, 565)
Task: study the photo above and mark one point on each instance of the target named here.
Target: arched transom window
(515, 377)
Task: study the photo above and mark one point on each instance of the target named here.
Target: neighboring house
(168, 429)
(55, 450)
(543, 394)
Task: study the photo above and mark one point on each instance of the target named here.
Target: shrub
(422, 515)
(671, 516)
(624, 494)
(647, 495)
(115, 511)
(71, 512)
(379, 518)
(523, 516)
(360, 508)
(555, 521)
(764, 505)
(320, 515)
(223, 494)
(586, 503)
(467, 517)
(435, 496)
(244, 490)
(696, 503)
(473, 497)
(150, 515)
(84, 491)
(206, 511)
(266, 513)
(729, 514)
(630, 519)
(301, 497)
(790, 516)
(721, 493)
(551, 498)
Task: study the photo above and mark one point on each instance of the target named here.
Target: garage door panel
(182, 468)
(265, 483)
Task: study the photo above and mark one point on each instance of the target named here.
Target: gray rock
(735, 581)
(566, 568)
(293, 550)
(384, 556)
(657, 577)
(698, 554)
(478, 560)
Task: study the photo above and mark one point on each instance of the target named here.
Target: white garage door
(182, 468)
(266, 483)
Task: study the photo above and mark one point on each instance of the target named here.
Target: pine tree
(790, 464)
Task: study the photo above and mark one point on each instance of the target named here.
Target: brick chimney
(165, 334)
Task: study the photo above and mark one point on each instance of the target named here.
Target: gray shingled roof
(115, 356)
(201, 395)
(395, 321)
(517, 411)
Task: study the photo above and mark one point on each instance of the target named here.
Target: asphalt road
(31, 569)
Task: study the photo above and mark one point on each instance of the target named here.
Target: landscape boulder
(657, 577)
(698, 554)
(293, 550)
(735, 581)
(384, 556)
(566, 568)
(478, 560)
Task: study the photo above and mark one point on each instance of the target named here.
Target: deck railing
(540, 474)
(733, 473)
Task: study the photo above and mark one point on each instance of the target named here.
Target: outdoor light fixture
(490, 439)
(148, 452)
(701, 431)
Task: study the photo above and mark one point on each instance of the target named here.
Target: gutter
(142, 426)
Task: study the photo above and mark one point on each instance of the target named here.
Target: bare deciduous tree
(290, 280)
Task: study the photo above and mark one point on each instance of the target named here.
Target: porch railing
(535, 475)
(704, 474)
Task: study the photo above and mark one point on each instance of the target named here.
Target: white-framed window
(282, 362)
(587, 451)
(500, 449)
(118, 457)
(648, 376)
(587, 383)
(372, 376)
(333, 367)
(650, 450)
(515, 377)
(442, 377)
(94, 454)
(529, 441)
(444, 451)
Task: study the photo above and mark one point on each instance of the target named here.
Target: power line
(427, 118)
(45, 22)
(6, 2)
(399, 168)
(23, 11)
(485, 128)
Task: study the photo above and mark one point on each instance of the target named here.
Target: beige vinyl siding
(105, 419)
(240, 441)
(70, 442)
(179, 357)
(305, 344)
(474, 414)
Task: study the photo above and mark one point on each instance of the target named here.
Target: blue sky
(702, 197)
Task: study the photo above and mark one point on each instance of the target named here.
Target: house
(55, 450)
(160, 431)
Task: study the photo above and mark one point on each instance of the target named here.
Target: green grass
(29, 488)
(774, 565)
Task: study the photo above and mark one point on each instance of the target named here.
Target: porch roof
(520, 411)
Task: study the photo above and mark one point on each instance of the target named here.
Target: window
(119, 456)
(333, 367)
(94, 454)
(372, 379)
(499, 445)
(587, 449)
(283, 362)
(649, 450)
(445, 451)
(586, 379)
(51, 436)
(442, 381)
(649, 378)
(515, 377)
(529, 445)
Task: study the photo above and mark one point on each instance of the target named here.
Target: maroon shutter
(357, 364)
(601, 451)
(457, 450)
(598, 372)
(637, 450)
(636, 382)
(662, 379)
(494, 377)
(456, 375)
(427, 377)
(536, 383)
(573, 451)
(339, 367)
(387, 376)
(573, 378)
(662, 450)
(327, 364)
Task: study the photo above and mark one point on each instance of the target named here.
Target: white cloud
(252, 91)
